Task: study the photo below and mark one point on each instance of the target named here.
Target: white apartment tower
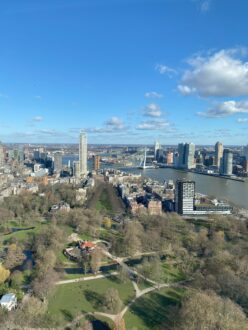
(83, 153)
(157, 146)
(1, 154)
(218, 153)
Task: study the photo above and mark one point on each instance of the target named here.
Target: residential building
(96, 162)
(169, 158)
(181, 155)
(57, 162)
(83, 154)
(2, 155)
(186, 153)
(8, 301)
(156, 149)
(218, 153)
(189, 155)
(185, 196)
(227, 162)
(76, 169)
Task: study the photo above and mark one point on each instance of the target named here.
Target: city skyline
(133, 71)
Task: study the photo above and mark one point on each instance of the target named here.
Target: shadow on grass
(67, 315)
(154, 309)
(94, 298)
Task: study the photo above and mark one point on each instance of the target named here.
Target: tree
(107, 222)
(14, 256)
(16, 279)
(95, 261)
(4, 274)
(123, 274)
(206, 310)
(112, 301)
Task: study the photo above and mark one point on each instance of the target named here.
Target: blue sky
(126, 71)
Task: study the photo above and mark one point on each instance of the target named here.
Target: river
(235, 192)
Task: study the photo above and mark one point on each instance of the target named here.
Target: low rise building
(8, 301)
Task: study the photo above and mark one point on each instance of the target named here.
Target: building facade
(218, 153)
(57, 162)
(2, 156)
(227, 162)
(96, 162)
(83, 153)
(185, 197)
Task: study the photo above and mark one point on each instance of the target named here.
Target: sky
(124, 71)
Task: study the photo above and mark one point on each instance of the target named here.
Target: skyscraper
(1, 154)
(181, 155)
(227, 162)
(83, 153)
(189, 155)
(185, 196)
(186, 155)
(57, 162)
(218, 153)
(156, 149)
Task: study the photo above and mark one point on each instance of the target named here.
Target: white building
(83, 153)
(8, 301)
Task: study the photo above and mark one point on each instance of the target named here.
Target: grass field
(104, 202)
(152, 310)
(70, 299)
(104, 198)
(23, 235)
(171, 274)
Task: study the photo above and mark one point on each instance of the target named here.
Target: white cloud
(37, 118)
(38, 97)
(227, 108)
(153, 125)
(115, 123)
(164, 69)
(152, 110)
(205, 6)
(112, 125)
(220, 74)
(242, 120)
(153, 95)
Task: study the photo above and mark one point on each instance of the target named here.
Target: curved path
(116, 318)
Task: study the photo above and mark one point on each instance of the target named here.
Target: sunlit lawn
(70, 299)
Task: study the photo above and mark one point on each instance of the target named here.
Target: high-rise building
(186, 153)
(185, 197)
(181, 155)
(96, 162)
(169, 158)
(2, 155)
(156, 149)
(245, 152)
(76, 169)
(189, 155)
(218, 153)
(57, 162)
(227, 162)
(83, 153)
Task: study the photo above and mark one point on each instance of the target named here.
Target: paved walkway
(86, 278)
(116, 318)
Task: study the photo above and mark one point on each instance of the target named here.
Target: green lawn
(70, 299)
(152, 310)
(171, 273)
(104, 202)
(23, 235)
